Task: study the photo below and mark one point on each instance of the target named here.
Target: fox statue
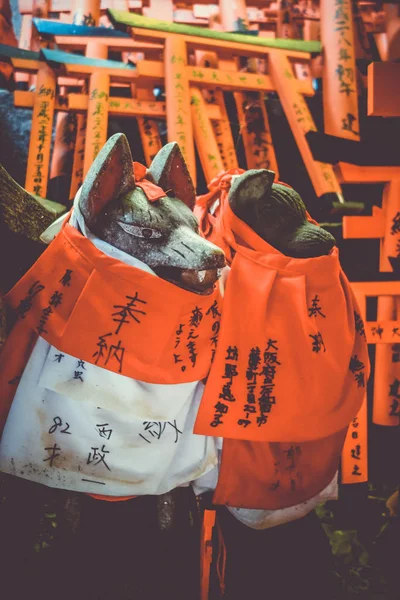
(289, 373)
(102, 373)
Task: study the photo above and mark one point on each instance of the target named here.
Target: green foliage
(48, 523)
(353, 549)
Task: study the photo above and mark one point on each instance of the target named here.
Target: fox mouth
(200, 282)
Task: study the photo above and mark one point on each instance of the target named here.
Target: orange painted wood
(122, 75)
(214, 98)
(301, 122)
(40, 140)
(384, 89)
(206, 143)
(150, 138)
(148, 129)
(250, 106)
(364, 227)
(255, 131)
(206, 552)
(355, 451)
(79, 155)
(384, 331)
(226, 80)
(386, 404)
(362, 45)
(218, 78)
(285, 26)
(340, 94)
(384, 224)
(97, 115)
(390, 243)
(85, 12)
(26, 65)
(40, 10)
(225, 49)
(376, 288)
(179, 121)
(74, 43)
(65, 139)
(64, 144)
(233, 15)
(348, 173)
(311, 23)
(116, 106)
(354, 463)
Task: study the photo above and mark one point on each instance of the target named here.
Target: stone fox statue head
(162, 233)
(278, 215)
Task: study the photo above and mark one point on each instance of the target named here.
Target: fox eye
(146, 233)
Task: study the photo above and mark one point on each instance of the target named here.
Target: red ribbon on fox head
(210, 207)
(152, 191)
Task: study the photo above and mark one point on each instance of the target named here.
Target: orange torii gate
(280, 54)
(386, 403)
(340, 91)
(250, 106)
(44, 99)
(384, 224)
(45, 102)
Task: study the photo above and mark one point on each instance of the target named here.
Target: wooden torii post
(384, 89)
(42, 117)
(281, 78)
(78, 103)
(250, 106)
(44, 102)
(73, 38)
(386, 402)
(83, 12)
(384, 223)
(340, 91)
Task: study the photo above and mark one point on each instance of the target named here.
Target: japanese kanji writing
(230, 371)
(315, 308)
(109, 353)
(154, 430)
(128, 311)
(358, 368)
(359, 323)
(26, 303)
(395, 396)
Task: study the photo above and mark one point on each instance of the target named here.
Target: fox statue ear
(110, 175)
(251, 188)
(169, 171)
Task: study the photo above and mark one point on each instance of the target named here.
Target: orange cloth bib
(289, 373)
(212, 226)
(116, 316)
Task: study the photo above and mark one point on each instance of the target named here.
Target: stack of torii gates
(196, 66)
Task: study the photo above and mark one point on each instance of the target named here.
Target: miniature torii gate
(74, 66)
(250, 106)
(44, 102)
(384, 224)
(386, 405)
(179, 40)
(97, 42)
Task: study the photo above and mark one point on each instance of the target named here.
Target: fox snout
(191, 261)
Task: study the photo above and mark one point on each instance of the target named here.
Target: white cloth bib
(76, 426)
